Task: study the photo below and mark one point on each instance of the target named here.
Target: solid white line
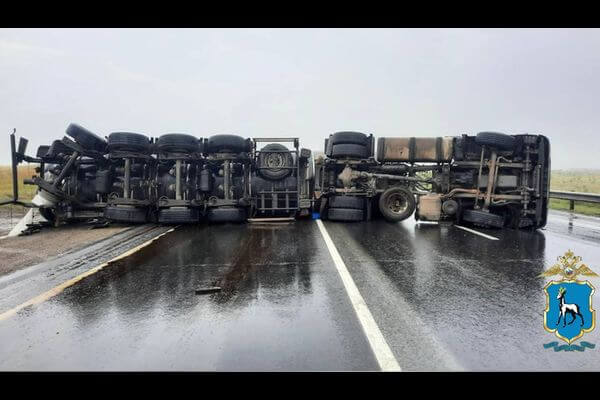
(58, 289)
(476, 232)
(383, 353)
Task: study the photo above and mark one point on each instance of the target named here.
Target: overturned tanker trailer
(490, 179)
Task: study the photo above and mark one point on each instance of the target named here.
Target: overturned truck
(173, 179)
(489, 180)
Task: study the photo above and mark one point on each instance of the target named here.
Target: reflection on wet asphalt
(444, 299)
(282, 307)
(447, 299)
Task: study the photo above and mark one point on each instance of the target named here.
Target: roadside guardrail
(575, 196)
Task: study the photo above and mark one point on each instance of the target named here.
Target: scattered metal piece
(208, 290)
(34, 228)
(98, 223)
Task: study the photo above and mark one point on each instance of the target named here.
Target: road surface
(415, 297)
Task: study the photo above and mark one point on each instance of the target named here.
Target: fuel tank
(412, 149)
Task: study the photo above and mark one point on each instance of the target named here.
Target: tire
(349, 138)
(85, 138)
(397, 204)
(482, 218)
(323, 208)
(345, 214)
(128, 214)
(226, 144)
(42, 151)
(275, 156)
(128, 141)
(58, 147)
(494, 139)
(226, 214)
(178, 215)
(177, 143)
(352, 202)
(349, 151)
(48, 214)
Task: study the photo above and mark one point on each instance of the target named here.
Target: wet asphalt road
(443, 298)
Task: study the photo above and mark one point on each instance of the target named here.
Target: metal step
(275, 219)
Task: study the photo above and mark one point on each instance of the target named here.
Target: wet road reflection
(282, 307)
(468, 302)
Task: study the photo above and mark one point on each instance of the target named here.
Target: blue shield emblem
(569, 313)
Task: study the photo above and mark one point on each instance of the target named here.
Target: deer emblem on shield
(566, 308)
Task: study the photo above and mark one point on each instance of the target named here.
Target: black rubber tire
(323, 202)
(271, 156)
(348, 137)
(42, 151)
(349, 151)
(495, 139)
(48, 214)
(128, 214)
(482, 218)
(394, 194)
(58, 147)
(226, 144)
(345, 214)
(128, 141)
(178, 215)
(353, 202)
(226, 214)
(85, 138)
(178, 143)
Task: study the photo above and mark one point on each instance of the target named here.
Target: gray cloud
(305, 82)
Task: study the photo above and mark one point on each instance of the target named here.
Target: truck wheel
(349, 150)
(495, 139)
(128, 141)
(349, 138)
(178, 215)
(85, 138)
(323, 209)
(226, 144)
(397, 204)
(276, 160)
(48, 214)
(42, 151)
(357, 203)
(226, 214)
(128, 214)
(58, 147)
(177, 143)
(483, 218)
(345, 214)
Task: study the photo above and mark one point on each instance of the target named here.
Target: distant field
(26, 192)
(570, 180)
(587, 181)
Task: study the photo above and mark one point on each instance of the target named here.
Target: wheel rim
(396, 203)
(274, 160)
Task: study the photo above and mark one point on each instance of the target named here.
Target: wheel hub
(397, 204)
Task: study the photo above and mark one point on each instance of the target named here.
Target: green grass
(26, 192)
(587, 181)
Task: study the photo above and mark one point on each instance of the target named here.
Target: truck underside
(489, 179)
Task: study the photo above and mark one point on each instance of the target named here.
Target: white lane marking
(56, 290)
(383, 353)
(476, 232)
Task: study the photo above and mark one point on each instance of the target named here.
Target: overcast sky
(306, 83)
